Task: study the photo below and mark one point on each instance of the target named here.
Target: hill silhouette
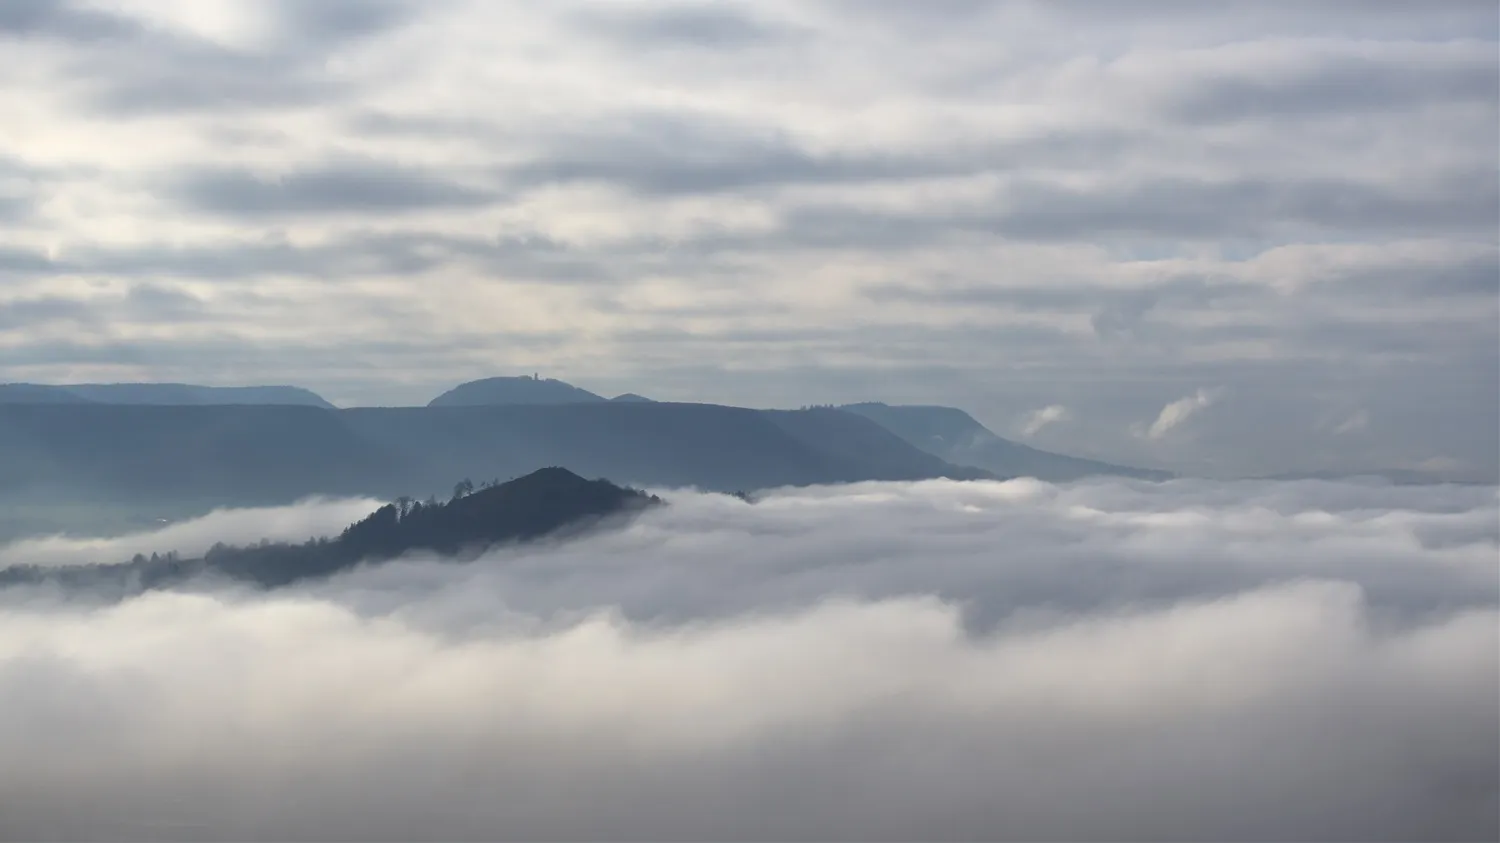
(524, 509)
(240, 455)
(513, 390)
(955, 436)
(157, 393)
(37, 393)
(219, 454)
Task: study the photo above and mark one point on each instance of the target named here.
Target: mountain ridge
(164, 394)
(252, 455)
(947, 433)
(508, 390)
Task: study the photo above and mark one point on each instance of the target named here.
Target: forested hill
(530, 507)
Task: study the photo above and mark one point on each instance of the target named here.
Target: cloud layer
(1016, 660)
(295, 523)
(1002, 205)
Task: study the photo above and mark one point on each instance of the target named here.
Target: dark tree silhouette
(527, 508)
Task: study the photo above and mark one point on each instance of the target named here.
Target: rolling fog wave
(294, 523)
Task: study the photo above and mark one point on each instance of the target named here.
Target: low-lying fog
(1104, 660)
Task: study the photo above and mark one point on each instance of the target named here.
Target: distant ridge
(955, 436)
(35, 393)
(155, 455)
(632, 398)
(513, 390)
(527, 508)
(175, 394)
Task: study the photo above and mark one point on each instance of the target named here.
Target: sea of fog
(936, 660)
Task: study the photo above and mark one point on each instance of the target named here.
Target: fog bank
(938, 660)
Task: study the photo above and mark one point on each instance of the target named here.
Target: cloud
(306, 519)
(336, 21)
(1356, 422)
(656, 154)
(59, 19)
(1342, 78)
(857, 662)
(716, 27)
(1051, 414)
(23, 312)
(341, 186)
(1041, 204)
(1179, 411)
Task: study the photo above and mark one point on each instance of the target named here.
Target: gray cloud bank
(1105, 660)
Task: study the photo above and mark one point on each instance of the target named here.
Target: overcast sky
(1216, 237)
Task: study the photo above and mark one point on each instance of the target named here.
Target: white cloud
(233, 23)
(1179, 411)
(1356, 422)
(882, 661)
(1050, 414)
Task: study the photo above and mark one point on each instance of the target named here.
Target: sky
(1221, 238)
(1103, 660)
